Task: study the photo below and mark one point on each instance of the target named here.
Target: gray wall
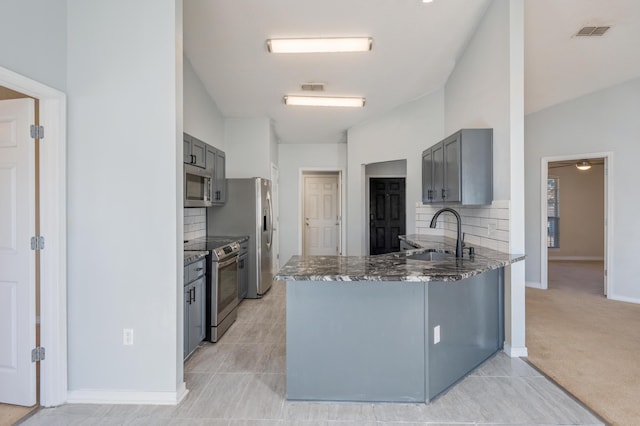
(124, 217)
(202, 118)
(604, 121)
(34, 40)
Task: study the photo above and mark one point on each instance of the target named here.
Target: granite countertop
(396, 266)
(191, 256)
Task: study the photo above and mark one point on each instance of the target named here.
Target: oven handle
(228, 262)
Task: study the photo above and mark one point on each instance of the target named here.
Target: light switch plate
(127, 336)
(436, 334)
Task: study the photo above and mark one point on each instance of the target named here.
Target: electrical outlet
(127, 336)
(436, 334)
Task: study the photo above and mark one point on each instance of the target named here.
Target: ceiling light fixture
(323, 101)
(583, 165)
(319, 45)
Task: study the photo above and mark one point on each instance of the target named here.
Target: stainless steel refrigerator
(248, 211)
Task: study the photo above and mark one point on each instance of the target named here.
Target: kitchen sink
(431, 255)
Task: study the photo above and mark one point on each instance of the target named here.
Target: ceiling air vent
(592, 31)
(312, 87)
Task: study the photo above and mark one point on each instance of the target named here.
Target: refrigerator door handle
(269, 221)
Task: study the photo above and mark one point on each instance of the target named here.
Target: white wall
(581, 201)
(124, 220)
(402, 134)
(34, 37)
(486, 89)
(604, 121)
(248, 145)
(293, 159)
(477, 92)
(202, 118)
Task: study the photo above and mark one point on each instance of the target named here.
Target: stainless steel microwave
(197, 187)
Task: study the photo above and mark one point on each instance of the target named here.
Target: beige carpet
(588, 344)
(10, 414)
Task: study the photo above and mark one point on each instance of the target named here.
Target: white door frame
(275, 195)
(53, 226)
(608, 215)
(305, 171)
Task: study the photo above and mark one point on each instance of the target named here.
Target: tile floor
(240, 381)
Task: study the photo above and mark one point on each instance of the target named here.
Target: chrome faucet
(459, 236)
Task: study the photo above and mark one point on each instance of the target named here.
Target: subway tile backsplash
(195, 223)
(485, 226)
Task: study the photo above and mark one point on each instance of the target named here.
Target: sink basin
(431, 255)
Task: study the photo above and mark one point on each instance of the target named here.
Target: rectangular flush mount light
(323, 101)
(319, 45)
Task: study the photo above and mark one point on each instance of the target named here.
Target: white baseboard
(127, 397)
(577, 258)
(515, 352)
(624, 298)
(532, 284)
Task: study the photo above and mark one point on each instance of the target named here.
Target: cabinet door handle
(192, 295)
(193, 159)
(444, 193)
(199, 269)
(430, 194)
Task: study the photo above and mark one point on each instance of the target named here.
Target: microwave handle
(207, 195)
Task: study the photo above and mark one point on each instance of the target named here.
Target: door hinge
(37, 354)
(37, 132)
(37, 243)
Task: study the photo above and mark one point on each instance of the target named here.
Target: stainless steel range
(222, 282)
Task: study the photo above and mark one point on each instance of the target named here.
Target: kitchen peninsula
(396, 327)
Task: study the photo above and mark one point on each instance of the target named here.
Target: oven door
(226, 288)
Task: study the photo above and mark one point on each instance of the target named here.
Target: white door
(17, 260)
(321, 215)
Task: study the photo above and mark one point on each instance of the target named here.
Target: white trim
(302, 171)
(576, 258)
(624, 298)
(53, 216)
(609, 210)
(533, 284)
(515, 352)
(127, 397)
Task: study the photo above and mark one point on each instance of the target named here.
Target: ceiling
(415, 48)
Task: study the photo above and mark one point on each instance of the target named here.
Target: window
(553, 212)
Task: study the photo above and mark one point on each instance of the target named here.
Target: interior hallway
(585, 342)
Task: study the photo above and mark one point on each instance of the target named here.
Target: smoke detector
(312, 87)
(592, 31)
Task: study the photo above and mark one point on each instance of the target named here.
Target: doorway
(575, 233)
(321, 214)
(387, 218)
(52, 226)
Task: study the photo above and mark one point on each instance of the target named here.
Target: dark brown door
(387, 214)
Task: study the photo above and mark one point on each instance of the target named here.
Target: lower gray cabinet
(194, 307)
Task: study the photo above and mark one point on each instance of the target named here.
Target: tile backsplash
(485, 226)
(195, 223)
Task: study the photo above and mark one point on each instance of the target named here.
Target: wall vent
(592, 31)
(312, 87)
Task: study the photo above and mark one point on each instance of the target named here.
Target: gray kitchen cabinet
(459, 169)
(194, 151)
(216, 165)
(194, 306)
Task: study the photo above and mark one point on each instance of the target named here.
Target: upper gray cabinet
(216, 164)
(459, 169)
(194, 151)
